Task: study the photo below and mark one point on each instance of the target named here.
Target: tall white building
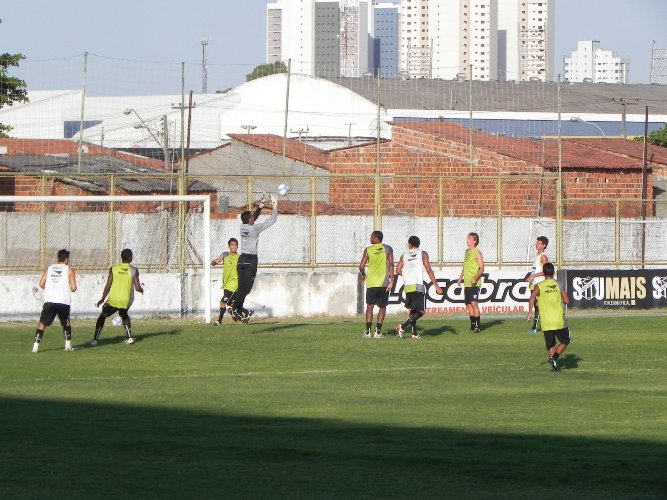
(414, 40)
(590, 63)
(536, 40)
(296, 38)
(441, 39)
(321, 37)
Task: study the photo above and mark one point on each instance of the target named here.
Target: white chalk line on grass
(241, 374)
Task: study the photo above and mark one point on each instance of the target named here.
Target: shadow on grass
(569, 361)
(117, 336)
(75, 450)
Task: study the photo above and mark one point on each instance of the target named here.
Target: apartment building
(590, 63)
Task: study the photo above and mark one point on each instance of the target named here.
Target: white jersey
(537, 268)
(57, 288)
(413, 270)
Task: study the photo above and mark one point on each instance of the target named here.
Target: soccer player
(230, 277)
(548, 296)
(247, 263)
(58, 282)
(380, 279)
(471, 275)
(536, 276)
(122, 281)
(411, 266)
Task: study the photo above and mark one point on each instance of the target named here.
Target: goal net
(169, 237)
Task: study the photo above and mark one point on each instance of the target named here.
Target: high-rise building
(445, 39)
(327, 38)
(386, 27)
(354, 37)
(297, 33)
(414, 40)
(536, 39)
(590, 63)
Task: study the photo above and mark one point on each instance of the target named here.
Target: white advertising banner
(502, 292)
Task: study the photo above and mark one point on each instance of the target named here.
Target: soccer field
(307, 408)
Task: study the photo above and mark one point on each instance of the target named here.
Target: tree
(659, 137)
(266, 70)
(11, 89)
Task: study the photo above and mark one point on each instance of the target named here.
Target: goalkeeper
(246, 267)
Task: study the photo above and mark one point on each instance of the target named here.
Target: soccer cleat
(554, 365)
(234, 314)
(217, 323)
(532, 331)
(378, 335)
(477, 329)
(367, 335)
(69, 348)
(415, 337)
(246, 317)
(129, 341)
(35, 347)
(399, 331)
(94, 342)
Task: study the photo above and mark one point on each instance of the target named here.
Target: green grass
(307, 408)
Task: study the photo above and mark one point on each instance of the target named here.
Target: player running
(122, 281)
(58, 282)
(549, 297)
(411, 266)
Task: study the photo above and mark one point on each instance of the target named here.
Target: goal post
(169, 236)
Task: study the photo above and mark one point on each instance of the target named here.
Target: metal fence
(320, 226)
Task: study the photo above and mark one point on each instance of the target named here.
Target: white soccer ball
(117, 321)
(283, 189)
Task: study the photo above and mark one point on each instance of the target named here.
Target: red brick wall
(416, 153)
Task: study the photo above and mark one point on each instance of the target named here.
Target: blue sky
(170, 31)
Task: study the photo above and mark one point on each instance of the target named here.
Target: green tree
(659, 137)
(266, 70)
(11, 89)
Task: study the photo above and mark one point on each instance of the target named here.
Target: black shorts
(550, 336)
(378, 296)
(52, 309)
(227, 296)
(470, 294)
(108, 310)
(415, 301)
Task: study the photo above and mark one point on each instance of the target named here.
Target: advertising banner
(617, 289)
(503, 292)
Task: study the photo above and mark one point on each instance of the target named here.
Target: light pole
(249, 128)
(163, 144)
(579, 119)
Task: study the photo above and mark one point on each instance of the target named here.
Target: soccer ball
(117, 321)
(283, 189)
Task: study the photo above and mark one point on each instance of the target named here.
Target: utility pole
(623, 102)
